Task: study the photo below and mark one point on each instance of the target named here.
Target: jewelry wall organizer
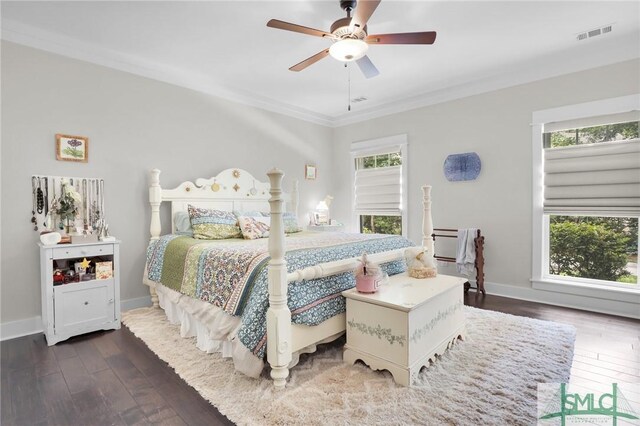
(69, 205)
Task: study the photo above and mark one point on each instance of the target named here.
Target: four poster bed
(236, 295)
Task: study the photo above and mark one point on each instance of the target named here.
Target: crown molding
(617, 50)
(88, 52)
(550, 66)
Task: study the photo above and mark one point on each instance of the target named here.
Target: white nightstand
(79, 307)
(405, 324)
(326, 228)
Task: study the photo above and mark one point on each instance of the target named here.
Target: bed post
(278, 315)
(155, 199)
(427, 222)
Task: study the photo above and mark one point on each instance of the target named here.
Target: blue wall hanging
(459, 167)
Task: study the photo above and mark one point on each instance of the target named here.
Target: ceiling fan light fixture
(348, 49)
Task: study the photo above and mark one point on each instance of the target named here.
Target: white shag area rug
(490, 378)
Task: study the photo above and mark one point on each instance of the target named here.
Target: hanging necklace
(96, 208)
(52, 205)
(46, 202)
(33, 201)
(85, 211)
(40, 198)
(101, 199)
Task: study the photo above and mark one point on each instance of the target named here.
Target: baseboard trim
(19, 328)
(33, 325)
(139, 302)
(566, 300)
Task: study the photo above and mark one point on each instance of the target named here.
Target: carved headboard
(230, 190)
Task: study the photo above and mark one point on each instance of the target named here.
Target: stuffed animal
(419, 263)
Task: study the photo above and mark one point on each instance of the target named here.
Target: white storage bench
(405, 324)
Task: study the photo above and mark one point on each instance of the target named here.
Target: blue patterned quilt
(233, 275)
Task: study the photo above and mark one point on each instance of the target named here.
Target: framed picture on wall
(309, 172)
(72, 148)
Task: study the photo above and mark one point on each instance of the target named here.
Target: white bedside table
(326, 228)
(84, 306)
(405, 324)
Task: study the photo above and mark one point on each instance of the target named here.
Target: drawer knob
(86, 303)
(110, 301)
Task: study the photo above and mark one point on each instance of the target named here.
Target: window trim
(361, 148)
(540, 277)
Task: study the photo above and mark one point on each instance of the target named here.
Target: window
(379, 185)
(590, 199)
(596, 247)
(371, 224)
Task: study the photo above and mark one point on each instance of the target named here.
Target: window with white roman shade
(379, 191)
(379, 184)
(586, 199)
(593, 178)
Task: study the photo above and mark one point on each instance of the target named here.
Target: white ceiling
(225, 48)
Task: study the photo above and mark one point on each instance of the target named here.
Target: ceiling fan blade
(366, 66)
(364, 10)
(427, 37)
(309, 61)
(281, 25)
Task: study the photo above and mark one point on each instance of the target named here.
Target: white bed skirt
(215, 330)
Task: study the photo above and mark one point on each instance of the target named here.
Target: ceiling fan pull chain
(348, 91)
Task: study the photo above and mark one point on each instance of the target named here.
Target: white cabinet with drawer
(84, 306)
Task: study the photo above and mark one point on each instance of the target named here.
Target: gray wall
(496, 125)
(134, 124)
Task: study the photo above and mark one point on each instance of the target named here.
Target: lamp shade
(322, 206)
(348, 49)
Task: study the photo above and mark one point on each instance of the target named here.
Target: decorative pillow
(289, 220)
(290, 223)
(254, 227)
(182, 223)
(252, 213)
(209, 224)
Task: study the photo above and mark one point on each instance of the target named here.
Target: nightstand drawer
(82, 251)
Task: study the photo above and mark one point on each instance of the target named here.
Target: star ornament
(85, 263)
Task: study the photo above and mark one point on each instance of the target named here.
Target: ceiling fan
(350, 37)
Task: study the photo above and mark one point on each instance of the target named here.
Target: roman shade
(378, 191)
(600, 120)
(601, 178)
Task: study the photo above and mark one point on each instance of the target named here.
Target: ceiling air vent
(359, 99)
(593, 33)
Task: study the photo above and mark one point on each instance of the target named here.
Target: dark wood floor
(112, 378)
